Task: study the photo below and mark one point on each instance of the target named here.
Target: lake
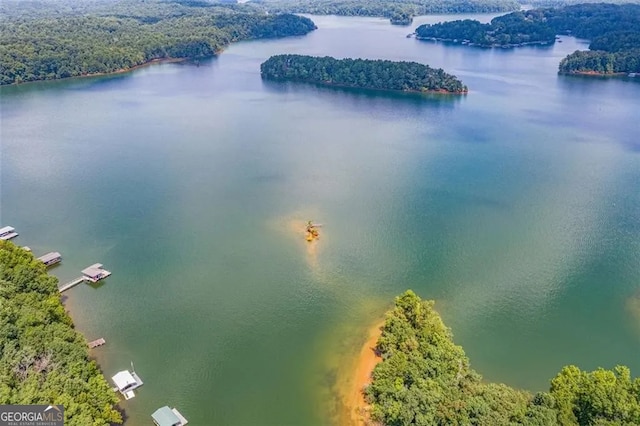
(515, 207)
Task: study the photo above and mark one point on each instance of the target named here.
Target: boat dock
(7, 233)
(126, 382)
(50, 259)
(71, 284)
(96, 343)
(93, 273)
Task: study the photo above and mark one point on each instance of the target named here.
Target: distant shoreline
(596, 74)
(104, 74)
(346, 86)
(494, 45)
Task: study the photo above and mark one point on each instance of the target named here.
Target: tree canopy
(43, 360)
(425, 379)
(614, 30)
(387, 8)
(44, 43)
(361, 73)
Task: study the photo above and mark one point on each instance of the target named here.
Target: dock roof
(6, 229)
(49, 257)
(123, 379)
(93, 270)
(164, 416)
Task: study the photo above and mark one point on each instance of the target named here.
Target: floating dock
(96, 343)
(50, 259)
(7, 233)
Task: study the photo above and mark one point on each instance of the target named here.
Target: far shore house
(126, 382)
(50, 258)
(165, 416)
(95, 273)
(7, 233)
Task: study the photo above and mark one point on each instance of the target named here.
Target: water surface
(516, 207)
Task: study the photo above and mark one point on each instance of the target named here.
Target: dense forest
(43, 360)
(560, 3)
(361, 73)
(601, 62)
(425, 379)
(44, 43)
(387, 8)
(613, 29)
(514, 29)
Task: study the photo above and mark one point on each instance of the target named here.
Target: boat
(312, 231)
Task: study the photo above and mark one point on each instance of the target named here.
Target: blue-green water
(516, 207)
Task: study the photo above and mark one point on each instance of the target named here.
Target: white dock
(71, 284)
(7, 233)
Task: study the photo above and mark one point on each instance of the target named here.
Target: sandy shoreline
(356, 409)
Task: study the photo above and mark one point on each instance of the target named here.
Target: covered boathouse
(95, 273)
(50, 258)
(166, 416)
(126, 382)
(7, 233)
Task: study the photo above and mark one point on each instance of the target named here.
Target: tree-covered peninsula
(43, 360)
(46, 41)
(613, 29)
(361, 73)
(425, 379)
(514, 29)
(400, 12)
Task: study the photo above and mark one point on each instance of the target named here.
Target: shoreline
(595, 74)
(488, 46)
(356, 408)
(345, 86)
(105, 74)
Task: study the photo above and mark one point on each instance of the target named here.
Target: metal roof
(93, 270)
(49, 257)
(123, 379)
(6, 229)
(164, 416)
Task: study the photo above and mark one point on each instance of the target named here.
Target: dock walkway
(71, 284)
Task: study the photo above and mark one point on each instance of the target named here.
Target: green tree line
(426, 379)
(560, 3)
(601, 62)
(514, 29)
(613, 29)
(361, 73)
(43, 360)
(387, 8)
(97, 39)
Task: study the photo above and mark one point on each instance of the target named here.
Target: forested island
(425, 379)
(361, 73)
(614, 31)
(46, 41)
(43, 360)
(400, 12)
